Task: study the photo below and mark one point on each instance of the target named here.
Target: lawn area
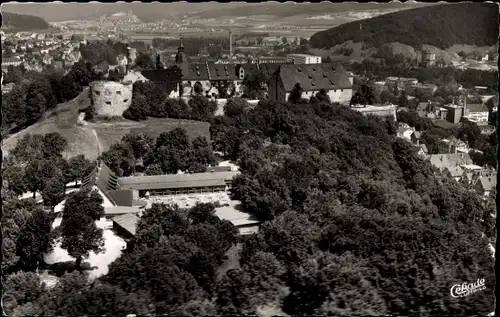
(97, 264)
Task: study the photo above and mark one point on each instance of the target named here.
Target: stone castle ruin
(111, 99)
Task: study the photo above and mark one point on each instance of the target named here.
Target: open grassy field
(82, 138)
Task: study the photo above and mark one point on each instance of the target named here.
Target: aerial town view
(255, 159)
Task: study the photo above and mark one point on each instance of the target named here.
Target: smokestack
(465, 105)
(230, 46)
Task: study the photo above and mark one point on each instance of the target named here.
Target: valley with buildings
(249, 159)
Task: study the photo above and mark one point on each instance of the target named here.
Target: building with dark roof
(331, 77)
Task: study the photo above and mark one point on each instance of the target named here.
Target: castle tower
(181, 57)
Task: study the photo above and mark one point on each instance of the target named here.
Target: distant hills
(22, 22)
(146, 12)
(441, 26)
(289, 9)
(156, 11)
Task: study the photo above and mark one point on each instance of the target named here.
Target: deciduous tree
(80, 235)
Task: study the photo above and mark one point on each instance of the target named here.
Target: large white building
(381, 111)
(303, 59)
(331, 77)
(478, 113)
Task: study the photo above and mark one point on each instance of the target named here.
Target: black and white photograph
(249, 158)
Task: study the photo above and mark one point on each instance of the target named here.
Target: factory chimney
(230, 47)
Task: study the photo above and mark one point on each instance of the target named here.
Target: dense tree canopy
(419, 26)
(334, 187)
(170, 152)
(151, 100)
(254, 85)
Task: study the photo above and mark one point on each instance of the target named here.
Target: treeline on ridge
(441, 26)
(23, 22)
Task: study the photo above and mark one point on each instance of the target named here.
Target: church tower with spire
(181, 57)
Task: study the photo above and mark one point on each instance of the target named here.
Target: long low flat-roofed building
(381, 111)
(178, 183)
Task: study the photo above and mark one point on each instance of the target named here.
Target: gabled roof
(314, 76)
(103, 178)
(488, 182)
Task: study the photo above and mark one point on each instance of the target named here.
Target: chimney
(465, 105)
(230, 46)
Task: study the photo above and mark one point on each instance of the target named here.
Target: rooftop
(301, 55)
(477, 107)
(450, 160)
(374, 108)
(488, 182)
(235, 216)
(314, 76)
(472, 167)
(176, 180)
(120, 210)
(127, 222)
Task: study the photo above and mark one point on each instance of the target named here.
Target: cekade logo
(465, 289)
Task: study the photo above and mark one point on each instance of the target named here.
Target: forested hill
(22, 22)
(441, 26)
